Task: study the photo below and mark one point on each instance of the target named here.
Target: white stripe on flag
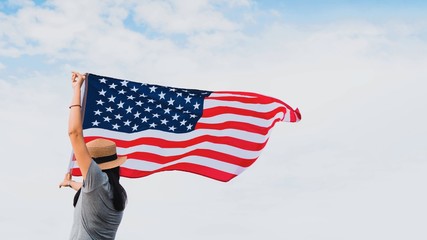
(253, 137)
(166, 152)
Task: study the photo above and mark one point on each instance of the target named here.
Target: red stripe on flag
(187, 167)
(207, 153)
(257, 96)
(237, 125)
(211, 112)
(231, 141)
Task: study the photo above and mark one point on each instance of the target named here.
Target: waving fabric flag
(158, 128)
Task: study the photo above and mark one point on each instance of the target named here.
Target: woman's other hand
(66, 182)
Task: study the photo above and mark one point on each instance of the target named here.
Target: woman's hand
(66, 182)
(77, 79)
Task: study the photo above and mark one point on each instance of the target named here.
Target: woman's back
(94, 214)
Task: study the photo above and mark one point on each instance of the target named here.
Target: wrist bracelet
(75, 105)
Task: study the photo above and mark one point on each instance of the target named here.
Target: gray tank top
(94, 214)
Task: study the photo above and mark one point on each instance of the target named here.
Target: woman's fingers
(66, 180)
(77, 77)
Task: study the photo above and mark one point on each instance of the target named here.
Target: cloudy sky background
(353, 168)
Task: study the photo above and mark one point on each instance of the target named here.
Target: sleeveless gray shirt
(94, 214)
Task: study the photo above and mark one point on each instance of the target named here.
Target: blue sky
(353, 168)
(311, 11)
(315, 12)
(262, 15)
(304, 5)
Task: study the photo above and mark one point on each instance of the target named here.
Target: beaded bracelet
(75, 105)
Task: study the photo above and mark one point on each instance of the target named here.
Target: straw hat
(104, 153)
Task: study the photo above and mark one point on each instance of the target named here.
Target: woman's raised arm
(75, 128)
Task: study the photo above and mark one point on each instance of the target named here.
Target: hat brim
(112, 164)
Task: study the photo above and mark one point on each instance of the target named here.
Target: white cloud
(356, 158)
(233, 3)
(183, 17)
(59, 26)
(92, 34)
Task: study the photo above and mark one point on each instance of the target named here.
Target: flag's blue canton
(126, 106)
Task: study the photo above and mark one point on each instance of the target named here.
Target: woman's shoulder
(95, 177)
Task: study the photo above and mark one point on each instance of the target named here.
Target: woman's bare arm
(75, 128)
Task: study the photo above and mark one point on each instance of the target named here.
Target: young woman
(100, 199)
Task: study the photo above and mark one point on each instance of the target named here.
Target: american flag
(215, 134)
